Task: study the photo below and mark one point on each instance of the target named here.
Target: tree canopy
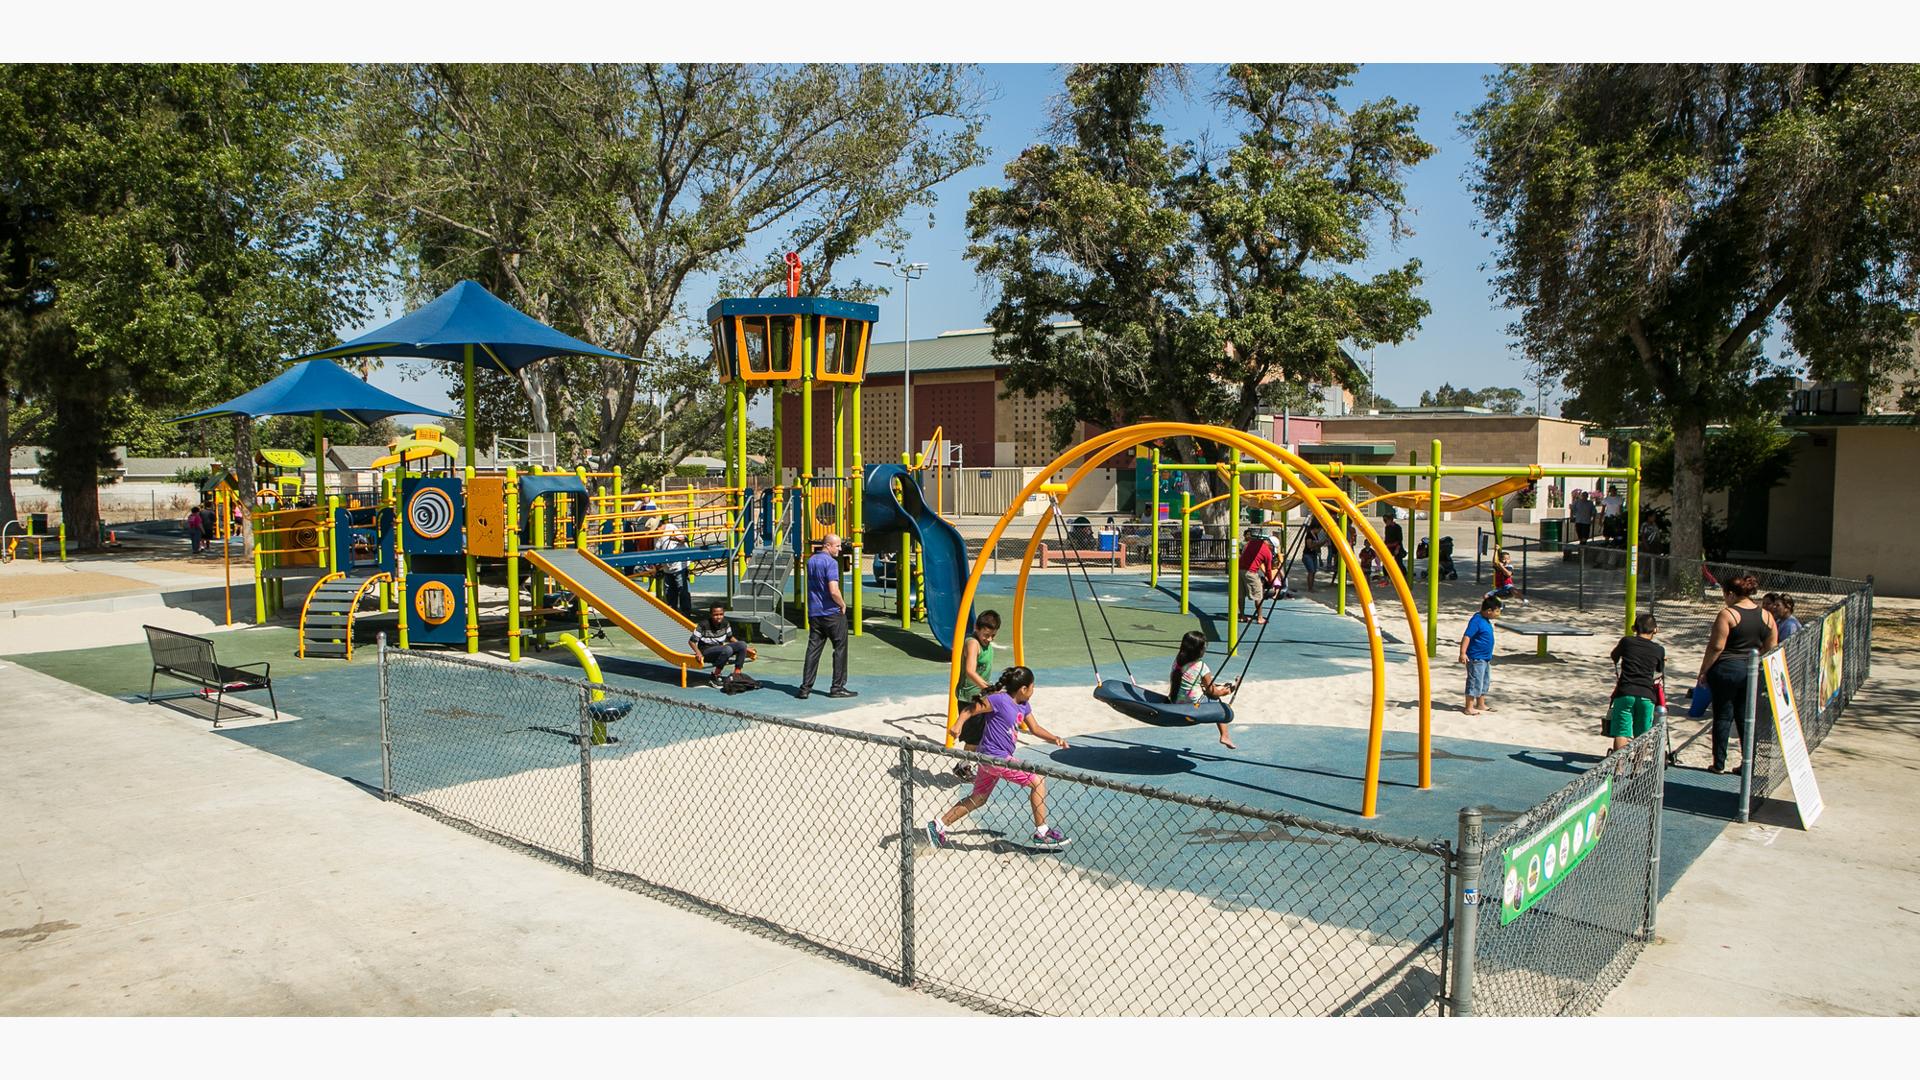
(167, 239)
(1500, 399)
(1197, 280)
(591, 196)
(1656, 222)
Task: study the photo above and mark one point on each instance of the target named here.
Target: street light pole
(908, 273)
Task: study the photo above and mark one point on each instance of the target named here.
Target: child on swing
(1005, 712)
(1193, 681)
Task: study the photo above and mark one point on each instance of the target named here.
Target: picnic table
(1543, 631)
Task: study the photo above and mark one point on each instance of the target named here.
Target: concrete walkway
(1772, 920)
(148, 867)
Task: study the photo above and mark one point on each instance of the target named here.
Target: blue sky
(1463, 341)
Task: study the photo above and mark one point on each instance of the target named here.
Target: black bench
(190, 659)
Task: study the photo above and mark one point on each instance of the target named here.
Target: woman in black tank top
(1740, 627)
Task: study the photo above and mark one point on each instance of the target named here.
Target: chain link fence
(1562, 952)
(1163, 905)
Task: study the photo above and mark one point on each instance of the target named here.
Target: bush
(192, 474)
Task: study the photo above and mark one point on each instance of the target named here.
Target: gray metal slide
(621, 600)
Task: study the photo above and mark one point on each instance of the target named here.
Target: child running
(976, 667)
(1635, 694)
(1193, 681)
(1006, 711)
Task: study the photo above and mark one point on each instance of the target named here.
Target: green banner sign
(1540, 862)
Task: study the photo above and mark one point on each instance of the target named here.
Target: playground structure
(1507, 480)
(565, 544)
(1313, 488)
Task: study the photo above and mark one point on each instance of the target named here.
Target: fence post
(386, 740)
(1659, 806)
(907, 829)
(1747, 733)
(586, 783)
(1466, 909)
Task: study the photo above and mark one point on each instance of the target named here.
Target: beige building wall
(1876, 506)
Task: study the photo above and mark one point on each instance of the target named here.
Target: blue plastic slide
(888, 515)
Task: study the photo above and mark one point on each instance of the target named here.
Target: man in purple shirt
(826, 619)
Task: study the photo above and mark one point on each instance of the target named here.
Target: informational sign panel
(1542, 861)
(1833, 643)
(1790, 739)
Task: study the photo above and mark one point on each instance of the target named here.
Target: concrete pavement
(150, 868)
(1772, 920)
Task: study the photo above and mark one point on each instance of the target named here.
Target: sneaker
(1051, 840)
(802, 693)
(844, 692)
(936, 833)
(717, 681)
(963, 770)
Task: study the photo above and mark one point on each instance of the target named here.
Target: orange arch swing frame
(1315, 492)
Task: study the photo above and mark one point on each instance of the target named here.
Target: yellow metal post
(512, 526)
(1633, 535)
(1433, 556)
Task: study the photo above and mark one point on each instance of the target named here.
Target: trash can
(1550, 534)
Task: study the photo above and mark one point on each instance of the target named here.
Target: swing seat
(1132, 700)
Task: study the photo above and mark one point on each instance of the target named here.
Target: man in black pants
(826, 619)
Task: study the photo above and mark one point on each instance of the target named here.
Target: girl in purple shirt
(1007, 699)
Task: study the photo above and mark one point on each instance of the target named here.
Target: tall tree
(1654, 221)
(1197, 282)
(1500, 399)
(590, 196)
(168, 236)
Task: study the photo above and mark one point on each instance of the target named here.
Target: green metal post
(903, 573)
(259, 582)
(1633, 535)
(859, 499)
(1186, 543)
(319, 464)
(512, 527)
(328, 536)
(1433, 556)
(1233, 553)
(1153, 524)
(473, 565)
(1340, 573)
(540, 579)
(1499, 523)
(469, 406)
(63, 541)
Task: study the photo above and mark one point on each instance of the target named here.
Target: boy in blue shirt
(1476, 652)
(826, 619)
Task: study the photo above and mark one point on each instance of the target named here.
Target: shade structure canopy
(315, 388)
(465, 317)
(471, 325)
(319, 389)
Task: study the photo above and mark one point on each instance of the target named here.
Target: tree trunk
(1689, 503)
(8, 511)
(80, 510)
(242, 469)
